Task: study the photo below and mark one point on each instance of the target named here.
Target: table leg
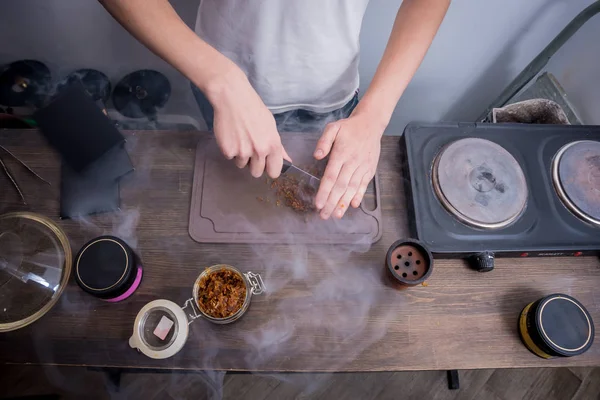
(453, 380)
(113, 376)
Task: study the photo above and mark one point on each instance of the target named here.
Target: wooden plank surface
(78, 382)
(328, 308)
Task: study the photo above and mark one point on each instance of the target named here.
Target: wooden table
(328, 308)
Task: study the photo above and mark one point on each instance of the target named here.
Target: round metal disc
(576, 177)
(141, 93)
(95, 83)
(24, 83)
(480, 183)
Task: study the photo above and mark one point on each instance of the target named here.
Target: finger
(228, 146)
(241, 161)
(229, 151)
(326, 141)
(358, 197)
(340, 187)
(274, 164)
(343, 205)
(351, 191)
(330, 176)
(257, 166)
(242, 156)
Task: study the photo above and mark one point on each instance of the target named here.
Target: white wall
(72, 34)
(577, 67)
(481, 46)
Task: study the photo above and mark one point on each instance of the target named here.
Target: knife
(290, 170)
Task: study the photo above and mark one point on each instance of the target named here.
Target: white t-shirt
(296, 53)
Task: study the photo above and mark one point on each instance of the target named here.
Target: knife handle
(286, 166)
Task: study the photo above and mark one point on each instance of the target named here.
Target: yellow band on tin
(529, 343)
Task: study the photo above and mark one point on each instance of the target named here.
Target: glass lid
(160, 329)
(35, 263)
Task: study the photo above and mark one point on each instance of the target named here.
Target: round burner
(576, 177)
(480, 183)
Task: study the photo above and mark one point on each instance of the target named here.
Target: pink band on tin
(133, 288)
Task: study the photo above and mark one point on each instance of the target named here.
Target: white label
(163, 328)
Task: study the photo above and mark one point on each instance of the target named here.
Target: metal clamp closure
(192, 313)
(255, 280)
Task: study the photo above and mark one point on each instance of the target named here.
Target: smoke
(121, 223)
(320, 304)
(321, 309)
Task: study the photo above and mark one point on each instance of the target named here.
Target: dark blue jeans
(289, 121)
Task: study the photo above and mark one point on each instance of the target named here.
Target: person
(260, 63)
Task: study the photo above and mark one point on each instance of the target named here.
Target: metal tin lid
(35, 263)
(104, 267)
(564, 325)
(160, 329)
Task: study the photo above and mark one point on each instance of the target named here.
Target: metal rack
(546, 85)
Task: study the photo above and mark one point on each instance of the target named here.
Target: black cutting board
(226, 207)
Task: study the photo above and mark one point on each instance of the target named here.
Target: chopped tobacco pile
(293, 193)
(221, 294)
(299, 196)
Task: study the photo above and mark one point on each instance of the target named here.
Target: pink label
(131, 290)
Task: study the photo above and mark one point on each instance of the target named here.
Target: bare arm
(244, 128)
(156, 24)
(355, 142)
(416, 24)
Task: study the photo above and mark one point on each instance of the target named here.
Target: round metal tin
(106, 267)
(556, 326)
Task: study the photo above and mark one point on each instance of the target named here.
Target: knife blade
(290, 170)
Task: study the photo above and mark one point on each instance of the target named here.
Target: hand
(245, 128)
(354, 144)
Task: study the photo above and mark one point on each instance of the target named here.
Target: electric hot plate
(481, 191)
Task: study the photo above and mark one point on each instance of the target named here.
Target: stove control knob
(482, 262)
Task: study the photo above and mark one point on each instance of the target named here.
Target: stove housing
(545, 228)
